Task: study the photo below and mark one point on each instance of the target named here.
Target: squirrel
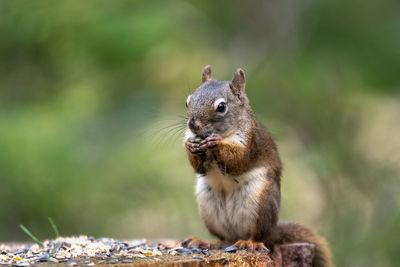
(238, 172)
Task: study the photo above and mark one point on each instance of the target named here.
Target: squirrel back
(238, 170)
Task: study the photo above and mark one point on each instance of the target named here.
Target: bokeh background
(90, 92)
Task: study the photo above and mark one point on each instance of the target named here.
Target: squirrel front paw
(210, 142)
(197, 145)
(193, 145)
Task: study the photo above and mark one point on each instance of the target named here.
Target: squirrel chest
(229, 205)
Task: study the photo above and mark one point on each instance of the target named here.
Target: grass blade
(54, 226)
(31, 235)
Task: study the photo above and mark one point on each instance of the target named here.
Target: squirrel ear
(238, 83)
(206, 75)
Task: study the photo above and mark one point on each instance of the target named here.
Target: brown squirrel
(238, 172)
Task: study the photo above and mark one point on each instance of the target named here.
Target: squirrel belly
(229, 205)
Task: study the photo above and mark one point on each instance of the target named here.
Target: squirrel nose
(194, 125)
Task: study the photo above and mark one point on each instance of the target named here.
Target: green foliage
(54, 226)
(88, 90)
(34, 238)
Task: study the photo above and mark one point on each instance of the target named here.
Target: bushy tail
(293, 232)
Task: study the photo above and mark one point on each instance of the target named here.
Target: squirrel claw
(251, 246)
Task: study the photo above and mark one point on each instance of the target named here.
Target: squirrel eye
(221, 107)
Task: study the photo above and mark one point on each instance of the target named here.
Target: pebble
(127, 261)
(231, 249)
(197, 258)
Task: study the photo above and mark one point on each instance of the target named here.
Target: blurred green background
(89, 88)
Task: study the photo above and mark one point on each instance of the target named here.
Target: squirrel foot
(195, 242)
(251, 246)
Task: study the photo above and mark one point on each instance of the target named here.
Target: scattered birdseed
(89, 251)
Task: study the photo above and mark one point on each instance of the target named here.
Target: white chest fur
(232, 214)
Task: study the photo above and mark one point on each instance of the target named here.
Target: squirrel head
(219, 107)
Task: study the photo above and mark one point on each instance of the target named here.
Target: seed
(113, 261)
(184, 251)
(17, 258)
(231, 249)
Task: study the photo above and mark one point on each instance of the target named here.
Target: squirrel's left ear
(206, 75)
(238, 83)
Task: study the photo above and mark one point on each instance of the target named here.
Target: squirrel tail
(293, 232)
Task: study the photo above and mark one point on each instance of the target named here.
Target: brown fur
(198, 162)
(215, 141)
